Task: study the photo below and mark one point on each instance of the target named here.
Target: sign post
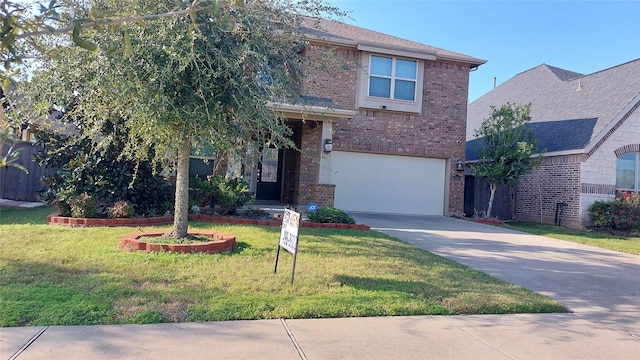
(289, 237)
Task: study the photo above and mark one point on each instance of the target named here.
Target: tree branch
(106, 22)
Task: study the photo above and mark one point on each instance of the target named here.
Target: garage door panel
(388, 183)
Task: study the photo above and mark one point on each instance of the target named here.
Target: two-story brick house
(590, 128)
(382, 127)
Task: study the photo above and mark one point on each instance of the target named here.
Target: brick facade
(557, 180)
(599, 168)
(323, 194)
(309, 164)
(301, 168)
(578, 180)
(438, 132)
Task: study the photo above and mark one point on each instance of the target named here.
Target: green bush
(331, 215)
(61, 200)
(83, 206)
(623, 213)
(102, 172)
(202, 192)
(225, 193)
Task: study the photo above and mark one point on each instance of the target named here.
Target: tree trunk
(181, 216)
(493, 194)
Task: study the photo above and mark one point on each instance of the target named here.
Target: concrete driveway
(598, 285)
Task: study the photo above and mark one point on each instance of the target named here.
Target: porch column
(325, 159)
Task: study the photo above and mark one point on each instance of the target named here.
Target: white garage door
(388, 183)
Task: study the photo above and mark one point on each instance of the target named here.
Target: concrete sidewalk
(545, 336)
(19, 204)
(601, 287)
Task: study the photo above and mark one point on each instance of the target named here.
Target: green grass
(62, 276)
(38, 215)
(627, 244)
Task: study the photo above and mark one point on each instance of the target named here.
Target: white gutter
(561, 153)
(547, 154)
(310, 112)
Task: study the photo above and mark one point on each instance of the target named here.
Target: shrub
(226, 193)
(331, 215)
(84, 206)
(121, 209)
(600, 213)
(623, 213)
(102, 172)
(202, 192)
(232, 193)
(61, 201)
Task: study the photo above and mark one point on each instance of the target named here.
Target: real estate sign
(290, 230)
(289, 237)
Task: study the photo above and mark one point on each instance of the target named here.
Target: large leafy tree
(182, 82)
(506, 147)
(25, 24)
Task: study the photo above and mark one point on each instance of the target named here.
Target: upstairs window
(393, 78)
(628, 172)
(390, 83)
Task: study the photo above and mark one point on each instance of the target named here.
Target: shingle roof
(577, 134)
(558, 94)
(334, 31)
(321, 102)
(563, 74)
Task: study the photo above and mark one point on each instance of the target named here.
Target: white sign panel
(290, 228)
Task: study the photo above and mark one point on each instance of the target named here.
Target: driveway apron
(596, 284)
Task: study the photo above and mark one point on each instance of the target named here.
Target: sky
(513, 36)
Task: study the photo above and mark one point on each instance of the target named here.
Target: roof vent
(579, 85)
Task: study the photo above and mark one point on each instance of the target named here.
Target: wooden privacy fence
(477, 194)
(15, 184)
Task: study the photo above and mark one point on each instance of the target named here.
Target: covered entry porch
(300, 175)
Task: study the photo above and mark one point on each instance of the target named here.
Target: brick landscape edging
(56, 219)
(220, 242)
(309, 224)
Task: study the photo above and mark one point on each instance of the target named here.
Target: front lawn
(629, 244)
(61, 276)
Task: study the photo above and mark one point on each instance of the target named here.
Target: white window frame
(389, 104)
(636, 181)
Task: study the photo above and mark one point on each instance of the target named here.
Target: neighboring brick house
(394, 112)
(590, 127)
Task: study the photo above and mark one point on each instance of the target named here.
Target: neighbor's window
(393, 78)
(628, 172)
(201, 162)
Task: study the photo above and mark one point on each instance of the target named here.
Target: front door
(269, 185)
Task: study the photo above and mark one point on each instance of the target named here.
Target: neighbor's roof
(341, 33)
(557, 94)
(546, 134)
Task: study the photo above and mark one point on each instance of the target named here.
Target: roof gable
(556, 94)
(563, 74)
(341, 33)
